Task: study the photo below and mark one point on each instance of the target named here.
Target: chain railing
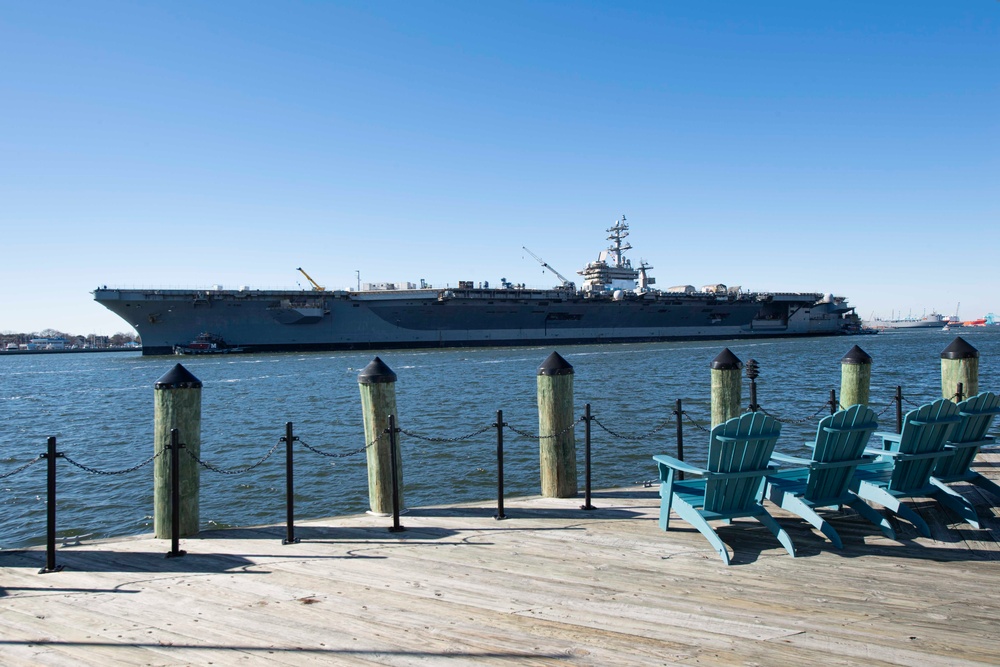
(233, 471)
(22, 468)
(678, 419)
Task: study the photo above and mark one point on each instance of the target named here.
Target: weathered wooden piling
(557, 443)
(959, 364)
(177, 405)
(726, 387)
(855, 378)
(378, 400)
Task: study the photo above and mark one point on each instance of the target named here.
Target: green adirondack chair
(969, 436)
(841, 439)
(731, 486)
(902, 468)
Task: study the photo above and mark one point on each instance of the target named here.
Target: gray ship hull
(295, 320)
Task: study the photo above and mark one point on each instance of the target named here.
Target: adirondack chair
(902, 468)
(731, 486)
(841, 439)
(966, 439)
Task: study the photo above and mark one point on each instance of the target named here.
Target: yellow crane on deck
(316, 286)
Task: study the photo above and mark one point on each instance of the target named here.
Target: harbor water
(100, 409)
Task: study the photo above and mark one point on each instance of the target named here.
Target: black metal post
(899, 409)
(499, 424)
(50, 533)
(175, 495)
(833, 401)
(395, 480)
(680, 436)
(586, 489)
(960, 393)
(753, 371)
(289, 488)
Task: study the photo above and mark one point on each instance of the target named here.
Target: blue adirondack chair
(841, 439)
(731, 486)
(903, 466)
(966, 439)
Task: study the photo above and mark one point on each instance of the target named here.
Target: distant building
(47, 344)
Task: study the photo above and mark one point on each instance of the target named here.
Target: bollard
(855, 378)
(959, 364)
(557, 441)
(378, 400)
(726, 387)
(177, 405)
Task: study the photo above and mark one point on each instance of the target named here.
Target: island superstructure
(615, 304)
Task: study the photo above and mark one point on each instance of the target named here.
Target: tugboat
(206, 343)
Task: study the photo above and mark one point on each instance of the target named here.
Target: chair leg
(870, 513)
(666, 496)
(778, 531)
(986, 484)
(797, 506)
(879, 495)
(954, 501)
(691, 515)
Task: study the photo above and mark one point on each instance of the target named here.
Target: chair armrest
(886, 436)
(871, 451)
(787, 458)
(677, 464)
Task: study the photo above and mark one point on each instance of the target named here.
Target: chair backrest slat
(742, 444)
(977, 414)
(841, 436)
(925, 430)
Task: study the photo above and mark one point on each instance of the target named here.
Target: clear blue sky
(846, 147)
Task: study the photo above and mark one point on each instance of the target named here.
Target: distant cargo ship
(932, 321)
(616, 304)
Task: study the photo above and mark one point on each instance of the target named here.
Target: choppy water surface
(100, 409)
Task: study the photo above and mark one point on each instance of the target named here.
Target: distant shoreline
(11, 353)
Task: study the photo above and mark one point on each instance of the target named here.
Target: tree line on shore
(119, 339)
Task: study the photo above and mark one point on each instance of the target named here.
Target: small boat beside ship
(207, 343)
(616, 303)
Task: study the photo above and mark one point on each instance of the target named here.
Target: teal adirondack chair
(969, 436)
(903, 466)
(731, 486)
(841, 439)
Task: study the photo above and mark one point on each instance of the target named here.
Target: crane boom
(316, 286)
(565, 283)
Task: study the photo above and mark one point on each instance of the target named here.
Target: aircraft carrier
(615, 304)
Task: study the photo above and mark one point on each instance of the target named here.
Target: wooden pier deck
(550, 585)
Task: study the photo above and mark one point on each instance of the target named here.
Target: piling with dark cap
(378, 400)
(726, 387)
(557, 443)
(855, 378)
(176, 405)
(959, 364)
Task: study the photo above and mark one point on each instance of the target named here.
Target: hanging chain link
(532, 436)
(95, 471)
(22, 468)
(694, 423)
(341, 455)
(632, 438)
(236, 471)
(438, 439)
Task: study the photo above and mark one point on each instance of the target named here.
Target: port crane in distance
(567, 284)
(316, 286)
